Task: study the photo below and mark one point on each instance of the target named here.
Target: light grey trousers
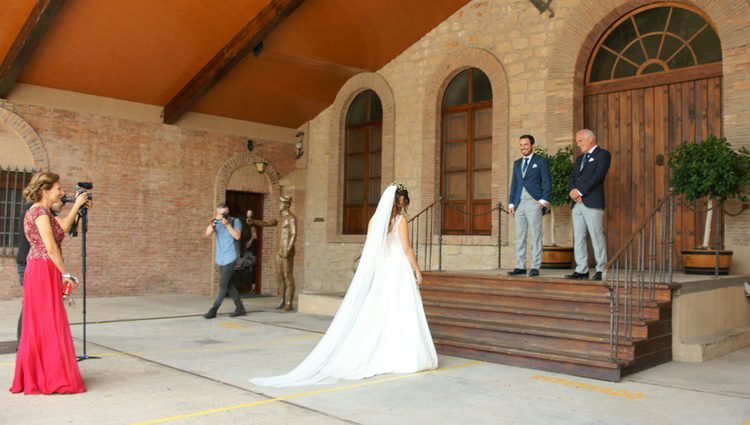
(528, 219)
(591, 220)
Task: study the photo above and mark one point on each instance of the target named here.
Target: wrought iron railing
(12, 183)
(424, 225)
(635, 270)
(426, 221)
(426, 234)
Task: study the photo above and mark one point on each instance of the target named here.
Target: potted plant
(560, 166)
(712, 170)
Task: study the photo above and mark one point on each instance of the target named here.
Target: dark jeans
(20, 268)
(225, 285)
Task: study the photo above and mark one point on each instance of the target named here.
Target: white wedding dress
(380, 326)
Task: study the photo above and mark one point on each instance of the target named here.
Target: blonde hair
(39, 183)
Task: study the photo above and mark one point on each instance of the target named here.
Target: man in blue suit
(529, 190)
(586, 185)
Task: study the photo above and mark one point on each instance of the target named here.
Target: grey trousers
(20, 269)
(528, 219)
(591, 220)
(225, 276)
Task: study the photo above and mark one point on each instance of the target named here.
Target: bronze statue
(287, 223)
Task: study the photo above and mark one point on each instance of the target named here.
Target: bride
(380, 326)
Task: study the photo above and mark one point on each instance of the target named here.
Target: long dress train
(380, 326)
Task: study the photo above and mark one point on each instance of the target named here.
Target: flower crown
(399, 186)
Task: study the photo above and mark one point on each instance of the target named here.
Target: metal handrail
(633, 272)
(642, 225)
(428, 213)
(422, 233)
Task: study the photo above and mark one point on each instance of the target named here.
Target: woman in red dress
(46, 360)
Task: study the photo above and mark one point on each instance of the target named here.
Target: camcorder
(80, 188)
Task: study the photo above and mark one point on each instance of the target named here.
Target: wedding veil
(319, 366)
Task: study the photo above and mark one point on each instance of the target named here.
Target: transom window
(654, 39)
(364, 130)
(466, 164)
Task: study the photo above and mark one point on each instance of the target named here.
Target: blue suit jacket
(590, 180)
(537, 180)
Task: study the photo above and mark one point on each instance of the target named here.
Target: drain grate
(7, 347)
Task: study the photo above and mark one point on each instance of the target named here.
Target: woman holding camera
(46, 360)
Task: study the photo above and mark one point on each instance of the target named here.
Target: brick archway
(24, 132)
(339, 108)
(242, 160)
(587, 22)
(431, 129)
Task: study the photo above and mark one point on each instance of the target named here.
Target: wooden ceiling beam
(28, 38)
(238, 47)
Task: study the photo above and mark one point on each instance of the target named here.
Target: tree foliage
(560, 166)
(709, 168)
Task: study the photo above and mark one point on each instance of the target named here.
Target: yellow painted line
(298, 395)
(589, 387)
(270, 343)
(233, 325)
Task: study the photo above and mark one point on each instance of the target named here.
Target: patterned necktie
(583, 162)
(525, 164)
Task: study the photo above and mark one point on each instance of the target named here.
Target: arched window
(466, 157)
(364, 129)
(654, 39)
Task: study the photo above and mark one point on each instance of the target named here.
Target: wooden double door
(639, 121)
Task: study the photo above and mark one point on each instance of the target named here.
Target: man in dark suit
(586, 185)
(529, 190)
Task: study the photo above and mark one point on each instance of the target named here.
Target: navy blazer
(590, 180)
(537, 180)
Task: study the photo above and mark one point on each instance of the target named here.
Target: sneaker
(238, 312)
(210, 315)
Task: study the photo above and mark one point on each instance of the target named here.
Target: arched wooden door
(653, 80)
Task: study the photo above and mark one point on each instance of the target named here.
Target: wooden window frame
(366, 206)
(469, 205)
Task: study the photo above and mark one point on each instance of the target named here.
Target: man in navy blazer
(586, 185)
(530, 188)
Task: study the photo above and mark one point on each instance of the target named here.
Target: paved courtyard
(161, 362)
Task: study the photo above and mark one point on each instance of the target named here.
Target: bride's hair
(398, 208)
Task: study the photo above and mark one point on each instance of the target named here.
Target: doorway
(653, 81)
(248, 280)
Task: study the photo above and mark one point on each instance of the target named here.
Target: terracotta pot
(557, 257)
(703, 261)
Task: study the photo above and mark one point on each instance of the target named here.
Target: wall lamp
(261, 164)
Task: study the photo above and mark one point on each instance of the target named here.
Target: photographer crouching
(227, 231)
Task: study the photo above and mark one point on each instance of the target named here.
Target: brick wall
(155, 187)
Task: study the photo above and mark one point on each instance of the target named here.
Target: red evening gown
(46, 360)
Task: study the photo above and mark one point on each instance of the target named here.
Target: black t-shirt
(23, 243)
